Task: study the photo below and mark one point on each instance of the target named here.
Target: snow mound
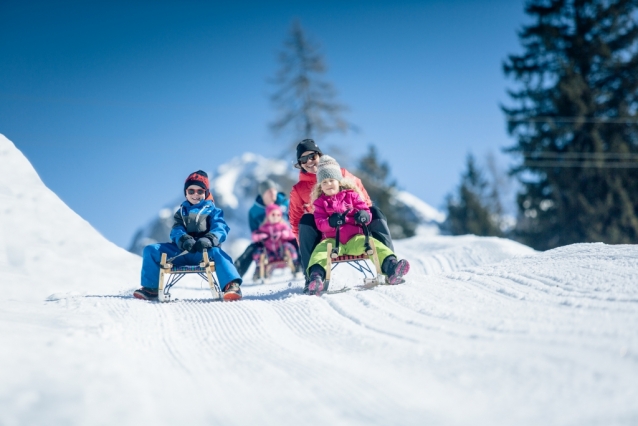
(426, 213)
(45, 247)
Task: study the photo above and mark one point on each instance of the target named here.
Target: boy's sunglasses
(196, 191)
(305, 158)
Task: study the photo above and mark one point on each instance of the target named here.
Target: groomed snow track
(484, 331)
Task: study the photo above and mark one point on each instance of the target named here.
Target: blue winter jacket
(196, 220)
(257, 212)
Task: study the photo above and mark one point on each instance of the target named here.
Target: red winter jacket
(273, 234)
(326, 205)
(300, 197)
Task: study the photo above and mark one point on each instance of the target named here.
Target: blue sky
(114, 103)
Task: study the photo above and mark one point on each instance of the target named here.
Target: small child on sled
(198, 225)
(338, 203)
(276, 236)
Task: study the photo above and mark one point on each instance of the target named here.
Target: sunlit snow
(485, 331)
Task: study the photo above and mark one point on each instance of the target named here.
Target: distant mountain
(234, 187)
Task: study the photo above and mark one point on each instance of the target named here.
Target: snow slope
(484, 332)
(44, 245)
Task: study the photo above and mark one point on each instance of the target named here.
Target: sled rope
(175, 257)
(366, 244)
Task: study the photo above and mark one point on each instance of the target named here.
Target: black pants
(242, 263)
(309, 235)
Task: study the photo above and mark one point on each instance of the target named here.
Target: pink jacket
(340, 202)
(273, 234)
(300, 196)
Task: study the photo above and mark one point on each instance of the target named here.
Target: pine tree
(476, 208)
(305, 103)
(575, 122)
(375, 176)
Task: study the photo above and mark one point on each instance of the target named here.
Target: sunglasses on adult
(196, 191)
(310, 157)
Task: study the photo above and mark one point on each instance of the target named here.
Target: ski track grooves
(210, 332)
(381, 350)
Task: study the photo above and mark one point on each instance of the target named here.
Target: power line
(581, 155)
(600, 160)
(582, 164)
(550, 119)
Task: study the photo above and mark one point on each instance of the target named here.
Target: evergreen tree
(575, 122)
(375, 176)
(305, 104)
(476, 208)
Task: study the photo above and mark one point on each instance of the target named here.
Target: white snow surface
(485, 331)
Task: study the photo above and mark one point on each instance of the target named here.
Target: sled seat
(266, 267)
(350, 258)
(189, 269)
(172, 274)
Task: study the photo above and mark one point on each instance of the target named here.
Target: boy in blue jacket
(198, 226)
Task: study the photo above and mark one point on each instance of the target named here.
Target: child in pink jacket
(276, 235)
(338, 203)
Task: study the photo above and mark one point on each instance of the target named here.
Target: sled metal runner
(370, 278)
(171, 275)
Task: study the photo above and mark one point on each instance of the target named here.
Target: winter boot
(306, 283)
(315, 282)
(395, 269)
(145, 293)
(232, 291)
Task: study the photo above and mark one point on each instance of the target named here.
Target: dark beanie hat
(199, 178)
(307, 145)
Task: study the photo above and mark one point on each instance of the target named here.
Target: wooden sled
(266, 267)
(370, 278)
(172, 274)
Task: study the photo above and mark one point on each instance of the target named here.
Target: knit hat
(307, 145)
(328, 168)
(272, 207)
(266, 185)
(199, 178)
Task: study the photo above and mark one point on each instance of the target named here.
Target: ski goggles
(310, 157)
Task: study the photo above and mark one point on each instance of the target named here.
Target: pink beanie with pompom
(271, 208)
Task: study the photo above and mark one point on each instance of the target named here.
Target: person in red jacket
(341, 215)
(300, 209)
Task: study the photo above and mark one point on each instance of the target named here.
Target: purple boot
(396, 271)
(315, 285)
